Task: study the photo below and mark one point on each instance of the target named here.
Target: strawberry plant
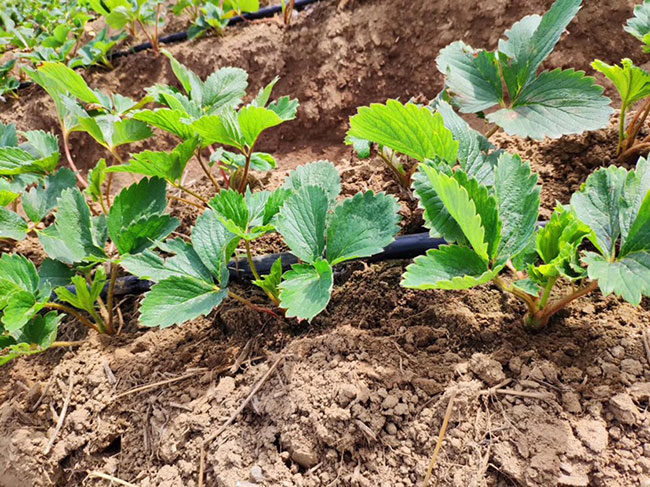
(526, 103)
(319, 231)
(493, 232)
(212, 110)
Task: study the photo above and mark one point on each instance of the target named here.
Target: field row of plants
(482, 200)
(39, 31)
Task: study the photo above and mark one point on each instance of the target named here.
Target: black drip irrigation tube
(262, 13)
(404, 247)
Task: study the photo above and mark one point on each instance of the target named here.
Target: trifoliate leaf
(39, 201)
(223, 89)
(147, 265)
(472, 76)
(597, 205)
(632, 83)
(557, 103)
(448, 267)
(176, 300)
(518, 196)
(8, 136)
(14, 161)
(320, 173)
(21, 307)
(301, 221)
(408, 129)
(214, 244)
(20, 272)
(70, 239)
(168, 120)
(639, 25)
(361, 226)
(84, 297)
(306, 289)
(166, 165)
(460, 206)
(259, 161)
(628, 277)
(144, 233)
(12, 225)
(270, 283)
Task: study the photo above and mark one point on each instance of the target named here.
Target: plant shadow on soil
(360, 398)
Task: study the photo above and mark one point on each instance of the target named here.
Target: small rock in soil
(592, 433)
(624, 409)
(486, 369)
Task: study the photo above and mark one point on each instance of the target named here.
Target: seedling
(212, 110)
(528, 104)
(195, 279)
(494, 231)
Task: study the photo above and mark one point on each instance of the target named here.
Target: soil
(359, 395)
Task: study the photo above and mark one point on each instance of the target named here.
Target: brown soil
(360, 394)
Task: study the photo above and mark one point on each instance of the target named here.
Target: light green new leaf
(8, 136)
(319, 173)
(361, 226)
(285, 107)
(176, 300)
(306, 289)
(166, 119)
(270, 283)
(12, 225)
(597, 205)
(628, 277)
(472, 76)
(216, 129)
(449, 267)
(255, 120)
(518, 196)
(407, 129)
(460, 206)
(128, 131)
(68, 80)
(301, 222)
(557, 103)
(632, 83)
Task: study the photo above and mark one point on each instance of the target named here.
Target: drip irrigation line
(262, 13)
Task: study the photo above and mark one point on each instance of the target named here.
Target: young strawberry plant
(212, 110)
(319, 231)
(494, 232)
(526, 103)
(633, 85)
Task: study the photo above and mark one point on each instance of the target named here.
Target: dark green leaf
(306, 289)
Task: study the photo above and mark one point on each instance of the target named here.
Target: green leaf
(179, 299)
(285, 108)
(472, 76)
(362, 147)
(20, 272)
(639, 25)
(70, 239)
(302, 220)
(306, 289)
(628, 277)
(223, 89)
(638, 240)
(270, 283)
(532, 39)
(145, 233)
(518, 196)
(264, 94)
(68, 80)
(53, 273)
(361, 226)
(557, 103)
(168, 120)
(460, 206)
(12, 225)
(449, 267)
(8, 137)
(40, 330)
(167, 165)
(320, 173)
(39, 201)
(528, 286)
(231, 206)
(255, 120)
(128, 131)
(215, 129)
(15, 161)
(408, 129)
(96, 179)
(214, 244)
(597, 205)
(21, 307)
(635, 191)
(632, 83)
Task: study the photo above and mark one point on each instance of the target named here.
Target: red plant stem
(561, 303)
(68, 156)
(252, 306)
(244, 180)
(109, 305)
(637, 123)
